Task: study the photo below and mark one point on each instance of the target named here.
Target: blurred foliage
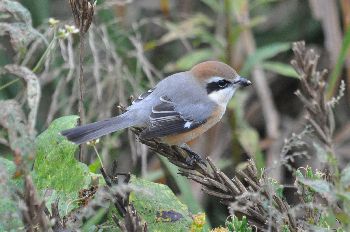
(10, 219)
(129, 48)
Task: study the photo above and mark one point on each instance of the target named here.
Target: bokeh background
(132, 44)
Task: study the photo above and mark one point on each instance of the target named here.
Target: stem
(8, 84)
(99, 157)
(51, 45)
(81, 87)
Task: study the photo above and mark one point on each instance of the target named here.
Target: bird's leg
(193, 157)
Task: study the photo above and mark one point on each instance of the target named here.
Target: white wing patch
(188, 124)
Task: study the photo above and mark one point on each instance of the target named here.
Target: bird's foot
(193, 158)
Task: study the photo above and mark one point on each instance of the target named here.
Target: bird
(177, 110)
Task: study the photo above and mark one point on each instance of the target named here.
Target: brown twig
(131, 221)
(248, 190)
(33, 212)
(83, 12)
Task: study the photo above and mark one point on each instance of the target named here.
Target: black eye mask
(217, 85)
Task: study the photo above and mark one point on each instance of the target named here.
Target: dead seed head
(83, 12)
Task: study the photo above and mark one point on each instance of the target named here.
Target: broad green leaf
(280, 68)
(55, 165)
(10, 217)
(159, 207)
(262, 54)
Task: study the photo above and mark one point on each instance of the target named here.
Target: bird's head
(219, 80)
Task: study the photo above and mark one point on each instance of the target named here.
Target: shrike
(178, 109)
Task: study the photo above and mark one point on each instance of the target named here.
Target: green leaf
(66, 201)
(159, 207)
(233, 224)
(55, 165)
(278, 188)
(280, 68)
(263, 53)
(90, 224)
(95, 166)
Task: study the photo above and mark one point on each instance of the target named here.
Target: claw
(193, 158)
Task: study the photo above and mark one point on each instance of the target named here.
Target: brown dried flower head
(83, 12)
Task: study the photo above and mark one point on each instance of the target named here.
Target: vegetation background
(299, 143)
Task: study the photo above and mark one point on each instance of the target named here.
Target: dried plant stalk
(312, 94)
(33, 212)
(131, 220)
(83, 12)
(247, 190)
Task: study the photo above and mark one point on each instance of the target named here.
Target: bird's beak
(242, 82)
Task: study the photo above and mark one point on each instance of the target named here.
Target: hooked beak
(242, 82)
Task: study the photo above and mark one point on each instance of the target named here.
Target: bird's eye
(222, 83)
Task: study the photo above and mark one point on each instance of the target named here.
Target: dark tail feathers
(88, 132)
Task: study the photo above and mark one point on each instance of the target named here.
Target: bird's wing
(143, 96)
(165, 120)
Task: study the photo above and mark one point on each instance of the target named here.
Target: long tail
(88, 132)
